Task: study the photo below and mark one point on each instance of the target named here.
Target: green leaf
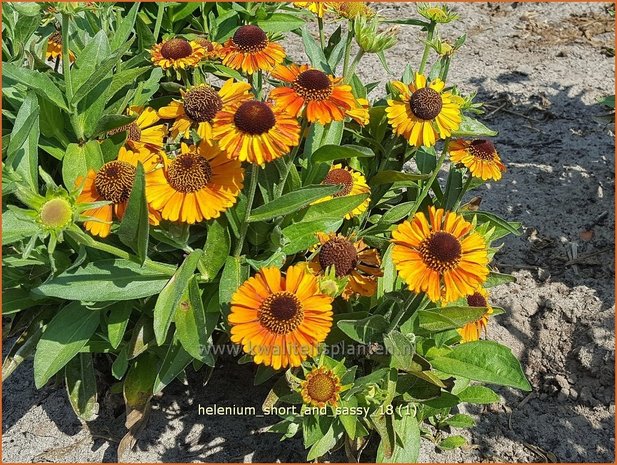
(365, 330)
(301, 236)
(81, 386)
(442, 319)
(78, 160)
(493, 220)
(314, 52)
(407, 445)
(17, 227)
(327, 153)
(460, 420)
(322, 446)
(66, 334)
(349, 421)
(89, 59)
(120, 365)
(397, 213)
(169, 298)
(452, 442)
(485, 361)
(105, 280)
(392, 176)
(401, 350)
(175, 361)
(478, 395)
(22, 151)
(216, 249)
(334, 208)
(292, 202)
(135, 227)
(385, 428)
(233, 276)
(471, 127)
(124, 29)
(281, 22)
(119, 315)
(23, 348)
(495, 279)
(39, 82)
(109, 122)
(190, 322)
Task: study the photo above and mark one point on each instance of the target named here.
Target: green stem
(354, 64)
(427, 47)
(66, 62)
(348, 49)
(322, 39)
(292, 156)
(249, 203)
(431, 180)
(463, 191)
(82, 238)
(159, 20)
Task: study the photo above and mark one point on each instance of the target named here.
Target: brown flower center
(281, 313)
(425, 103)
(340, 177)
(313, 84)
(441, 251)
(476, 300)
(189, 172)
(56, 37)
(114, 181)
(254, 117)
(321, 387)
(341, 253)
(202, 103)
(482, 149)
(176, 48)
(133, 131)
(250, 39)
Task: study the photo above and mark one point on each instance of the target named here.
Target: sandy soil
(540, 69)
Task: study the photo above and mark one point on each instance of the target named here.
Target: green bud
(368, 37)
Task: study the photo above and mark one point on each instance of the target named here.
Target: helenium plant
(174, 184)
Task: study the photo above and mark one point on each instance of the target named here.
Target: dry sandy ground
(540, 67)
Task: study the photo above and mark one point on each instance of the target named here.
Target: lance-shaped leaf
(292, 202)
(134, 229)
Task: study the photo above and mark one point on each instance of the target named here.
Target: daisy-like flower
(255, 131)
(143, 133)
(423, 112)
(319, 8)
(472, 330)
(54, 48)
(352, 183)
(352, 259)
(199, 106)
(325, 98)
(361, 114)
(478, 156)
(442, 256)
(199, 184)
(321, 387)
(250, 50)
(280, 321)
(177, 53)
(113, 183)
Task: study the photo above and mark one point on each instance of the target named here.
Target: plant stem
(249, 203)
(464, 190)
(66, 62)
(88, 241)
(159, 20)
(290, 162)
(348, 48)
(354, 63)
(431, 180)
(427, 47)
(322, 39)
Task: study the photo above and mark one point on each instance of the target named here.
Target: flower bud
(370, 39)
(438, 14)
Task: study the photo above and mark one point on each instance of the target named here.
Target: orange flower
(472, 330)
(324, 97)
(177, 53)
(113, 183)
(250, 50)
(478, 156)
